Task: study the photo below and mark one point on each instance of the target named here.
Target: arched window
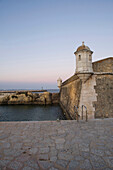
(79, 57)
(90, 58)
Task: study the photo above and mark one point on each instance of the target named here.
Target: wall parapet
(71, 79)
(75, 76)
(103, 73)
(104, 65)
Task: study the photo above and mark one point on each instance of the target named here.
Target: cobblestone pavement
(57, 145)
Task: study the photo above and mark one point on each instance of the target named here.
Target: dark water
(30, 113)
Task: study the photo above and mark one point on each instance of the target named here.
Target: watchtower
(83, 62)
(83, 59)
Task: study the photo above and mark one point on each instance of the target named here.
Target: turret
(59, 82)
(83, 59)
(83, 62)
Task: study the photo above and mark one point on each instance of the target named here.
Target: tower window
(90, 58)
(79, 57)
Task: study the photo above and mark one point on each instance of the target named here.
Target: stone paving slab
(57, 145)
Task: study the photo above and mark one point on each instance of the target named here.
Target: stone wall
(74, 91)
(96, 94)
(87, 97)
(104, 89)
(29, 98)
(70, 95)
(105, 65)
(55, 98)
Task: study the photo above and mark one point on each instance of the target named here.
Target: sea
(49, 90)
(31, 112)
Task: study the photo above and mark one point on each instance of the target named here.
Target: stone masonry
(87, 97)
(57, 145)
(70, 96)
(105, 65)
(96, 94)
(95, 90)
(104, 90)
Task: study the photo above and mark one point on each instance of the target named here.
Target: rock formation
(29, 98)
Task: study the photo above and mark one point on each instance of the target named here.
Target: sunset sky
(38, 39)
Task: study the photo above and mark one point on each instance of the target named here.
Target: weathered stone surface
(31, 163)
(62, 163)
(53, 158)
(69, 96)
(96, 92)
(4, 99)
(28, 168)
(55, 98)
(44, 150)
(29, 98)
(3, 136)
(87, 97)
(75, 146)
(43, 157)
(15, 165)
(104, 89)
(52, 168)
(3, 163)
(105, 65)
(45, 164)
(86, 165)
(65, 156)
(73, 165)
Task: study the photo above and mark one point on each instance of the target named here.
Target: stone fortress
(91, 86)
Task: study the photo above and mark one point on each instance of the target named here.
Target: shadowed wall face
(70, 95)
(104, 89)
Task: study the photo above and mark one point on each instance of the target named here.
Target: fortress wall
(87, 97)
(70, 95)
(105, 65)
(96, 94)
(92, 89)
(104, 89)
(78, 93)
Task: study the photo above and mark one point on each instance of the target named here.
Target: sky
(38, 39)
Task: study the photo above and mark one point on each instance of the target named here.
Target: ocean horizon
(49, 90)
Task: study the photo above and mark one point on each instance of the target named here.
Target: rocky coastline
(29, 98)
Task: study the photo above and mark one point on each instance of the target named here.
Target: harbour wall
(29, 98)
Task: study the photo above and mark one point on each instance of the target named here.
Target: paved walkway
(56, 145)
